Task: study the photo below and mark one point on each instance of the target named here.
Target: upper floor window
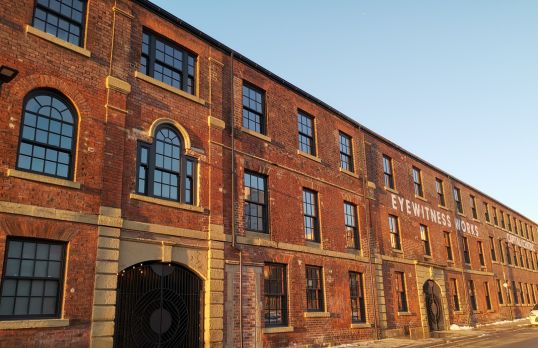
(472, 295)
(32, 284)
(346, 152)
(499, 291)
(275, 295)
(352, 232)
(394, 229)
(439, 188)
(492, 248)
(486, 212)
(425, 237)
(457, 199)
(472, 202)
(466, 255)
(253, 108)
(47, 144)
(314, 289)
(356, 293)
(167, 62)
(388, 172)
(163, 169)
(481, 254)
(417, 182)
(448, 246)
(495, 218)
(310, 214)
(503, 225)
(61, 18)
(509, 222)
(255, 202)
(307, 140)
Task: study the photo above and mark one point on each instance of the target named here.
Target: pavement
(512, 334)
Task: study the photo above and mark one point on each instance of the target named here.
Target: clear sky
(455, 82)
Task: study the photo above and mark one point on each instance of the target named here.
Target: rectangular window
(439, 188)
(346, 152)
(472, 202)
(472, 295)
(448, 246)
(509, 222)
(533, 294)
(508, 256)
(352, 232)
(457, 199)
(501, 251)
(61, 18)
(514, 292)
(516, 230)
(492, 249)
(503, 225)
(253, 108)
(275, 295)
(486, 212)
(424, 236)
(255, 186)
(394, 229)
(314, 289)
(307, 142)
(516, 256)
(495, 219)
(32, 284)
(356, 290)
(455, 297)
(522, 293)
(143, 168)
(481, 254)
(499, 292)
(488, 299)
(310, 214)
(417, 182)
(528, 293)
(388, 172)
(190, 169)
(400, 292)
(167, 62)
(466, 255)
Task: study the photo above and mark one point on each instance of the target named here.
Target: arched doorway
(158, 305)
(434, 309)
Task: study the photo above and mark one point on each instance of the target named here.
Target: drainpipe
(371, 239)
(235, 246)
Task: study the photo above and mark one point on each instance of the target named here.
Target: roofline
(212, 41)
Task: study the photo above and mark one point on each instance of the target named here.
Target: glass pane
(54, 269)
(6, 305)
(15, 249)
(42, 251)
(49, 305)
(27, 268)
(37, 287)
(51, 288)
(40, 269)
(28, 250)
(23, 287)
(8, 288)
(56, 252)
(35, 305)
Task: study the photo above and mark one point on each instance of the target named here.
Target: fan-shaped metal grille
(158, 305)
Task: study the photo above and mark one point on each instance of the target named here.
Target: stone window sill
(391, 190)
(256, 234)
(309, 156)
(42, 178)
(278, 329)
(166, 203)
(401, 314)
(312, 244)
(360, 325)
(347, 172)
(317, 314)
(256, 134)
(51, 38)
(421, 198)
(29, 324)
(169, 88)
(442, 206)
(399, 251)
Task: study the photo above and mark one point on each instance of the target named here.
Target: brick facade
(109, 226)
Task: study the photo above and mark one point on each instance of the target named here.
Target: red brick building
(157, 186)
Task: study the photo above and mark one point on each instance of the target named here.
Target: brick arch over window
(48, 134)
(175, 124)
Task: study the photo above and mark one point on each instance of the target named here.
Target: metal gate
(158, 305)
(434, 309)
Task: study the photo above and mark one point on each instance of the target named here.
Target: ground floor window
(275, 295)
(400, 291)
(314, 289)
(32, 282)
(356, 290)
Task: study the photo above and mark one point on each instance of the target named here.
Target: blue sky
(455, 82)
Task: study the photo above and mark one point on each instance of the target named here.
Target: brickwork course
(109, 227)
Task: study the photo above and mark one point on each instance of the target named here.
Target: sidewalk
(457, 333)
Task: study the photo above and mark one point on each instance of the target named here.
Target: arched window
(47, 142)
(163, 169)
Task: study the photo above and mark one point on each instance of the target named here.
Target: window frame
(313, 145)
(283, 295)
(401, 293)
(500, 298)
(347, 156)
(474, 211)
(265, 206)
(152, 57)
(448, 245)
(262, 115)
(83, 23)
(492, 248)
(355, 227)
(481, 257)
(486, 212)
(425, 237)
(357, 301)
(472, 295)
(151, 167)
(466, 251)
(315, 217)
(388, 176)
(319, 291)
(417, 182)
(74, 139)
(457, 200)
(455, 294)
(488, 297)
(60, 279)
(395, 234)
(440, 190)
